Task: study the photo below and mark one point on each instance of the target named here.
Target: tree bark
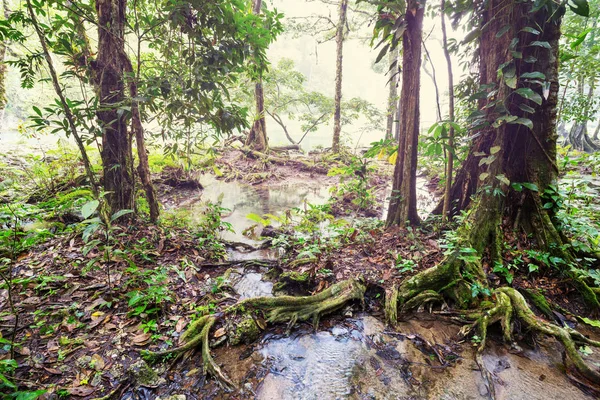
(450, 159)
(403, 202)
(257, 138)
(596, 132)
(578, 135)
(520, 154)
(339, 41)
(117, 159)
(392, 95)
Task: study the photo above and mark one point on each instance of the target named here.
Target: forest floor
(87, 307)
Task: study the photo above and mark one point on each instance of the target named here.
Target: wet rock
(143, 375)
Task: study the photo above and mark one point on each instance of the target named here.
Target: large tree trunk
(525, 155)
(450, 159)
(117, 159)
(403, 202)
(257, 138)
(512, 154)
(392, 95)
(339, 41)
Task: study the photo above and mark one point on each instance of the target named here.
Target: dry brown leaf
(81, 391)
(97, 362)
(180, 325)
(53, 345)
(141, 339)
(53, 371)
(219, 332)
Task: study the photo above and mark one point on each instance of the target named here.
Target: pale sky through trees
(317, 62)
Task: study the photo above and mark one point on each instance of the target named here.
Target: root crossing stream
(351, 355)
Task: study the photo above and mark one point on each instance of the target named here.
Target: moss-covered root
(210, 366)
(291, 309)
(191, 338)
(428, 296)
(566, 336)
(196, 335)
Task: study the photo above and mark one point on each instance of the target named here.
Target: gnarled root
(509, 301)
(292, 309)
(278, 309)
(566, 336)
(197, 334)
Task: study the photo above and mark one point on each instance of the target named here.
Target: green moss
(247, 331)
(292, 280)
(539, 300)
(295, 276)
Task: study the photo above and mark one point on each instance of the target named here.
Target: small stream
(354, 356)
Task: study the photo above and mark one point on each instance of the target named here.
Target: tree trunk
(397, 117)
(525, 155)
(339, 41)
(117, 159)
(450, 159)
(257, 138)
(138, 131)
(578, 135)
(518, 154)
(403, 202)
(392, 95)
(596, 132)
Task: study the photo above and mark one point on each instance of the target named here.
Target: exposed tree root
(280, 309)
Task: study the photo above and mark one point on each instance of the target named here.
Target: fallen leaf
(141, 339)
(97, 362)
(220, 332)
(81, 391)
(53, 345)
(53, 371)
(96, 315)
(180, 325)
(31, 301)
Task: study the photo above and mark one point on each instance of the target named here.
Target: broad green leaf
(580, 7)
(88, 208)
(502, 178)
(538, 43)
(529, 94)
(523, 121)
(483, 176)
(382, 53)
(474, 34)
(502, 31)
(530, 30)
(495, 149)
(533, 75)
(531, 186)
(580, 38)
(526, 108)
(119, 214)
(591, 322)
